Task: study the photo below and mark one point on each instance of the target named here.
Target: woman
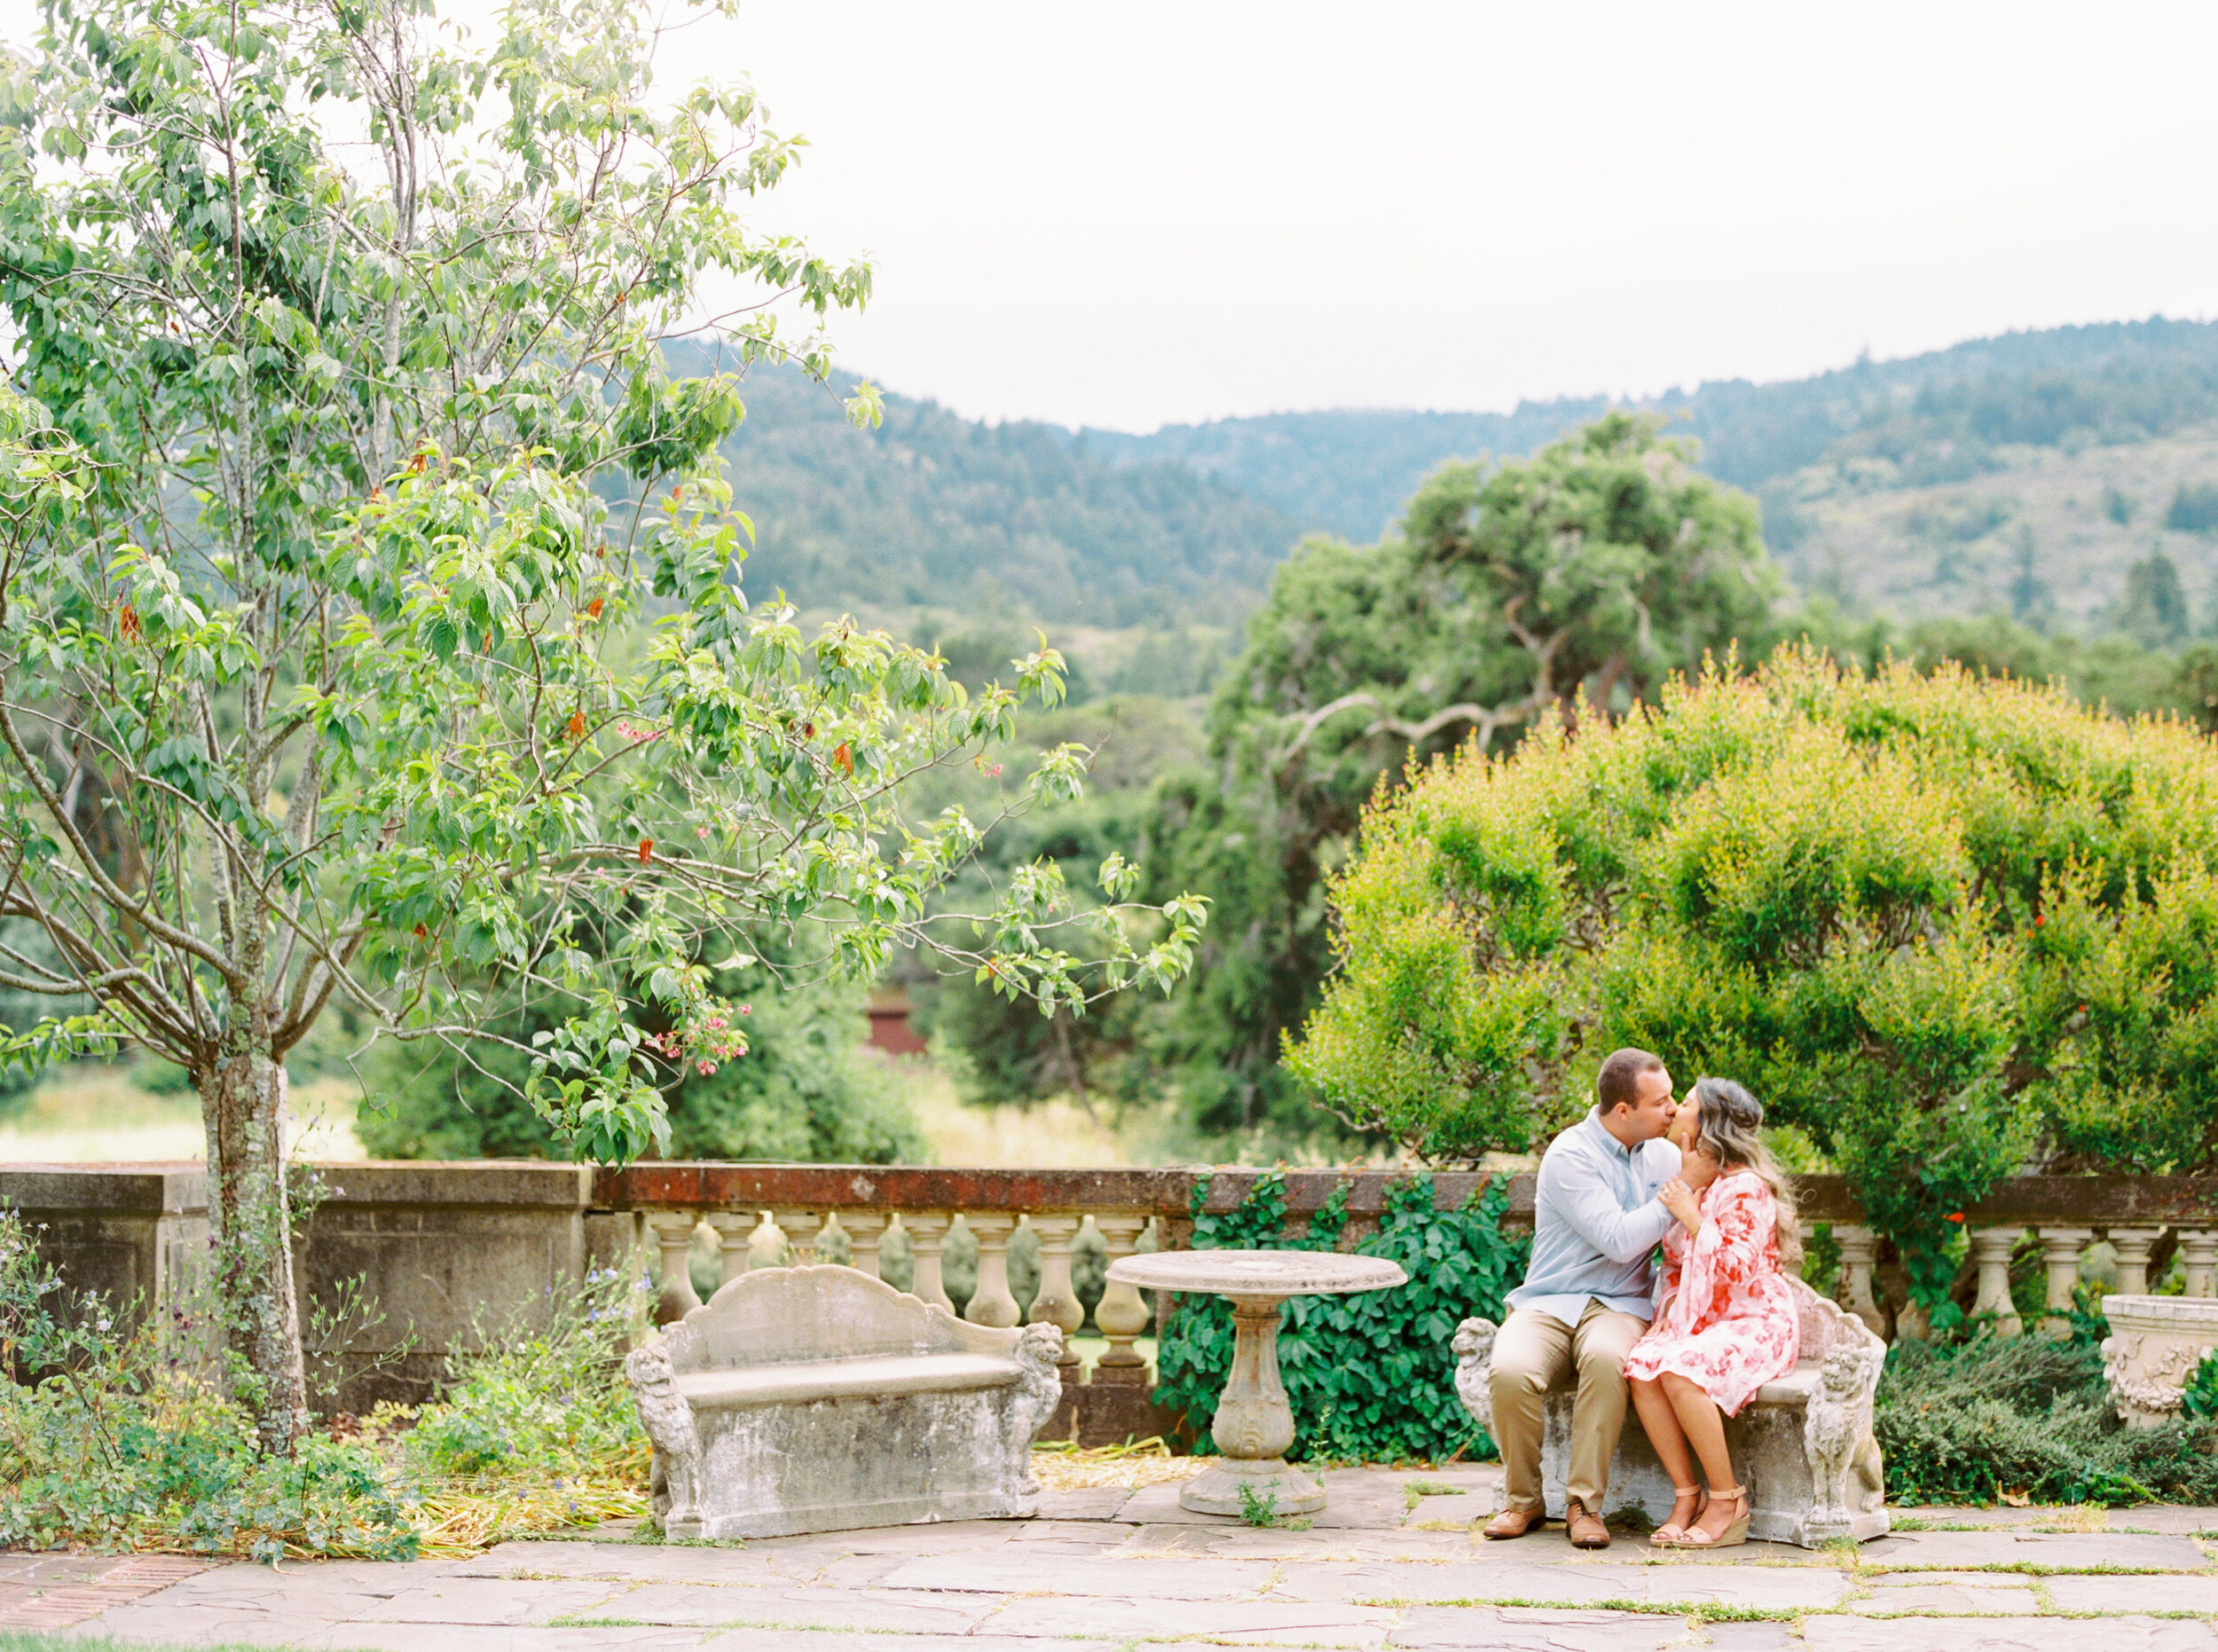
(1728, 1324)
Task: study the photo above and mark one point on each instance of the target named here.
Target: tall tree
(328, 670)
(2152, 609)
(1574, 584)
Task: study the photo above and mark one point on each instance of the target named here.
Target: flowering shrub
(1948, 927)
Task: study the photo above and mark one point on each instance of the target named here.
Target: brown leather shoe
(1586, 1530)
(1512, 1523)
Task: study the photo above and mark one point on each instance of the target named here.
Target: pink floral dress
(1731, 1326)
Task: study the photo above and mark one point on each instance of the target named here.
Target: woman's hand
(1680, 1199)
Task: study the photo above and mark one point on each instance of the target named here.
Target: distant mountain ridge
(1348, 472)
(931, 510)
(2024, 472)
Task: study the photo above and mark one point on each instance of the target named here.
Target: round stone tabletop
(1257, 1273)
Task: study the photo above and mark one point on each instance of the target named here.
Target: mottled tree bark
(242, 1100)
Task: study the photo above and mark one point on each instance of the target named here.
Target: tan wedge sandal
(1671, 1531)
(1732, 1536)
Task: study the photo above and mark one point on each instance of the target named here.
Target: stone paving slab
(2169, 1517)
(1017, 1572)
(1455, 1582)
(202, 1625)
(2062, 1551)
(1237, 1623)
(1454, 1513)
(1237, 1542)
(1885, 1581)
(1928, 1600)
(2005, 1634)
(1759, 1588)
(475, 1600)
(1083, 1503)
(2168, 1594)
(1519, 1630)
(908, 1611)
(846, 1641)
(1101, 1572)
(624, 1562)
(1045, 1531)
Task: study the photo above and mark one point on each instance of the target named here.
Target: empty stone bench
(820, 1399)
(1802, 1446)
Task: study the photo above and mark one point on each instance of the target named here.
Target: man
(1586, 1296)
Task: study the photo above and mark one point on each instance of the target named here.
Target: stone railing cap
(158, 1188)
(1258, 1272)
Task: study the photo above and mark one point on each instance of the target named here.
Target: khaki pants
(1533, 1353)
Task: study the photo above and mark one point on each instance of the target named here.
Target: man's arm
(1583, 1199)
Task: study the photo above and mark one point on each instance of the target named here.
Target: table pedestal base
(1270, 1480)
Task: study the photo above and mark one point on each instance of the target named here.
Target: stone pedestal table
(1253, 1425)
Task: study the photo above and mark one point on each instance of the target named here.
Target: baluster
(927, 1231)
(2060, 1249)
(991, 1303)
(865, 1230)
(2132, 1245)
(1991, 1250)
(1120, 1314)
(2198, 1261)
(734, 1229)
(674, 1234)
(1860, 1248)
(800, 1228)
(1057, 1304)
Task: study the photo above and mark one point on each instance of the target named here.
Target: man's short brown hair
(1618, 1084)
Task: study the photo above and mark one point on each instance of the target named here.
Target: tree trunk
(241, 1101)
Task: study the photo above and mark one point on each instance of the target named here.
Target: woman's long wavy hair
(1729, 1127)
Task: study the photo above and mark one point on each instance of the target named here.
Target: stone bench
(820, 1399)
(1802, 1446)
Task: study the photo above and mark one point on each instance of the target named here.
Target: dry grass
(467, 1517)
(1054, 1135)
(1064, 1468)
(95, 1114)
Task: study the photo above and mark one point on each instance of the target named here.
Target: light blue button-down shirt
(1596, 1222)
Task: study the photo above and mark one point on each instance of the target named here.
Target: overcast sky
(1132, 214)
(1138, 213)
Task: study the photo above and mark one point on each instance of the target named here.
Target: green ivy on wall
(1370, 1377)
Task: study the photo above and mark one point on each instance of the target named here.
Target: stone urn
(2155, 1343)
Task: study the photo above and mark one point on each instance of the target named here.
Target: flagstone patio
(1395, 1560)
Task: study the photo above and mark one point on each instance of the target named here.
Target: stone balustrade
(444, 1250)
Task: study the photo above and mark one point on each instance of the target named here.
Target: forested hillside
(1946, 416)
(935, 511)
(2023, 474)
